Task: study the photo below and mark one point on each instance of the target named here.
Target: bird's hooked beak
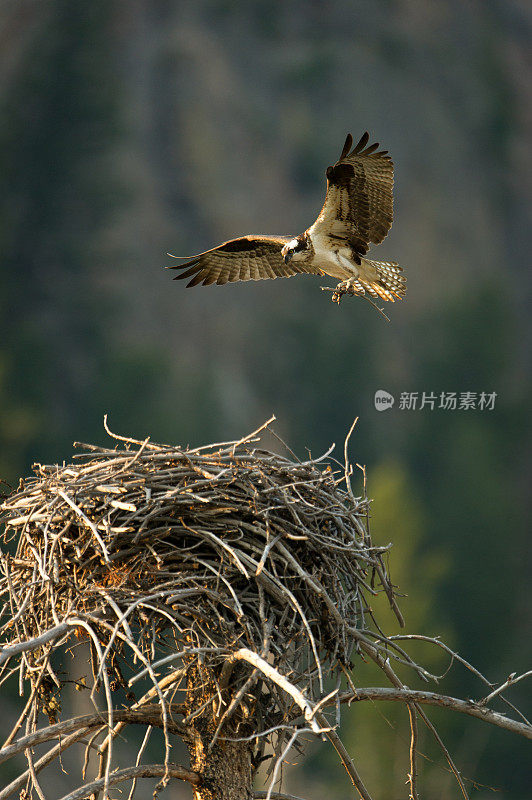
(286, 254)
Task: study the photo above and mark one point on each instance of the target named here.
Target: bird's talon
(342, 288)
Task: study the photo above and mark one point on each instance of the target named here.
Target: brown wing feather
(359, 201)
(249, 258)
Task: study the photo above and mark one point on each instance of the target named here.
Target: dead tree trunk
(225, 767)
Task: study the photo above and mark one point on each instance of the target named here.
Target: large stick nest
(195, 553)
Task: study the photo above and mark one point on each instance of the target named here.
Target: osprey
(358, 211)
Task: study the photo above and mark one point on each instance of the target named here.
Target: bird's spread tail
(382, 279)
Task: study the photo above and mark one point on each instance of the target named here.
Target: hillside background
(132, 129)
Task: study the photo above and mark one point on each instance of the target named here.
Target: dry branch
(432, 699)
(144, 771)
(147, 715)
(32, 644)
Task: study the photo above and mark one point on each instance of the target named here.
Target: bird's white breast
(334, 260)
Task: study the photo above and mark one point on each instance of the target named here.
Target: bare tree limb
(43, 762)
(32, 644)
(142, 771)
(147, 715)
(456, 656)
(431, 698)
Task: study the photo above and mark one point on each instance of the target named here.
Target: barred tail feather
(382, 279)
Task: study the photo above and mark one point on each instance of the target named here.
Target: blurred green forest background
(129, 129)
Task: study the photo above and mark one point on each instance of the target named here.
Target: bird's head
(295, 249)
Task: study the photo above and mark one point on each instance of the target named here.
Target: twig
(356, 294)
(345, 758)
(87, 522)
(119, 438)
(279, 762)
(252, 435)
(29, 703)
(261, 795)
(510, 681)
(140, 753)
(452, 765)
(435, 640)
(387, 669)
(412, 777)
(347, 466)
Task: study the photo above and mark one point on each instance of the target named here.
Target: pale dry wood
(33, 644)
(274, 675)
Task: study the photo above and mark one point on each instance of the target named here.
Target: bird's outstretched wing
(249, 258)
(358, 205)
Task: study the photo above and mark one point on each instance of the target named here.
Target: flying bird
(357, 212)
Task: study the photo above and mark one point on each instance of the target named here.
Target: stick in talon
(336, 295)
